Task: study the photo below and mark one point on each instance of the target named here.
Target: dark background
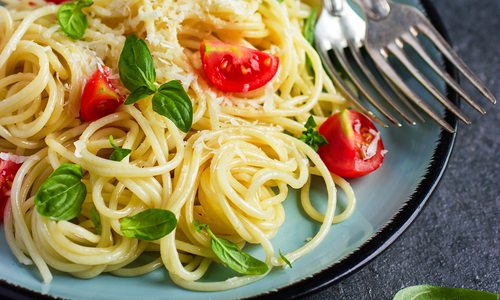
(455, 240)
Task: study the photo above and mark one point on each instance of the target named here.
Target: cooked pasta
(231, 171)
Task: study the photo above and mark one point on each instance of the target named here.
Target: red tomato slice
(354, 146)
(100, 97)
(8, 170)
(236, 68)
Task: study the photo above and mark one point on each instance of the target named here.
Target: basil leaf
(311, 136)
(232, 256)
(309, 34)
(429, 292)
(118, 154)
(283, 257)
(71, 18)
(173, 102)
(151, 224)
(310, 24)
(136, 66)
(198, 226)
(138, 94)
(95, 217)
(61, 196)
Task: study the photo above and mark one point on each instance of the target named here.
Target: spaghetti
(232, 170)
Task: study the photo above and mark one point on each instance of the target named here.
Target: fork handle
(375, 9)
(334, 7)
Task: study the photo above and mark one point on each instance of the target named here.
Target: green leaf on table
(61, 195)
(72, 19)
(151, 224)
(429, 292)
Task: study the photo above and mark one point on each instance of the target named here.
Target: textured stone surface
(455, 240)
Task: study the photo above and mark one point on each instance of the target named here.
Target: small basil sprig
(429, 292)
(311, 136)
(118, 154)
(232, 256)
(95, 217)
(71, 18)
(61, 196)
(151, 224)
(137, 73)
(283, 258)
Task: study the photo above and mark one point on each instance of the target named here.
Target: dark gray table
(455, 240)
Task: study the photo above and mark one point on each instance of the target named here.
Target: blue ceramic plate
(388, 201)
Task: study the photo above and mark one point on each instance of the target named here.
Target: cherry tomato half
(100, 97)
(236, 68)
(8, 170)
(354, 146)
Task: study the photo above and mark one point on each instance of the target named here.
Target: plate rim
(377, 243)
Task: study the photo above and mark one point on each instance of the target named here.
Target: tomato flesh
(354, 147)
(237, 69)
(100, 97)
(8, 170)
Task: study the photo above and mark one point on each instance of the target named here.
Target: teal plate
(388, 201)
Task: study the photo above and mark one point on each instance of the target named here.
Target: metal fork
(389, 27)
(340, 28)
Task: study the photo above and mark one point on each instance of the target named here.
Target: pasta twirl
(231, 171)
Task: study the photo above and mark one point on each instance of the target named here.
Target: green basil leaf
(136, 65)
(173, 102)
(233, 257)
(311, 136)
(309, 34)
(310, 24)
(151, 224)
(283, 257)
(310, 123)
(71, 18)
(95, 217)
(429, 292)
(118, 154)
(138, 94)
(61, 196)
(198, 226)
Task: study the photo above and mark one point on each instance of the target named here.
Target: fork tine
(357, 82)
(411, 39)
(403, 98)
(390, 73)
(453, 57)
(371, 78)
(397, 51)
(323, 52)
